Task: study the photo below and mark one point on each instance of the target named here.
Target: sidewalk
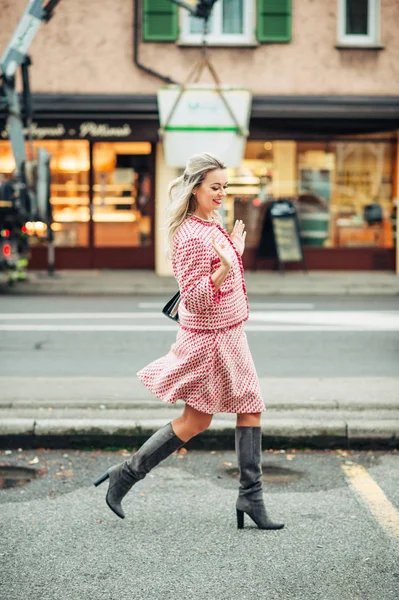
(260, 283)
(104, 412)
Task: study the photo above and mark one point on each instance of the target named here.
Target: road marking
(247, 328)
(77, 316)
(267, 321)
(252, 305)
(382, 320)
(281, 306)
(82, 328)
(107, 315)
(333, 317)
(370, 492)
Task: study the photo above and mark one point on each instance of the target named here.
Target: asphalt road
(115, 337)
(59, 540)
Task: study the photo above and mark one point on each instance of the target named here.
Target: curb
(306, 291)
(147, 283)
(116, 433)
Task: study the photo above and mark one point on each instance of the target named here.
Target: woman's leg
(155, 449)
(248, 420)
(249, 456)
(190, 423)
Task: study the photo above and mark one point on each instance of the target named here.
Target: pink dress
(209, 366)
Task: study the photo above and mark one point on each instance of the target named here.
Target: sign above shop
(196, 118)
(84, 130)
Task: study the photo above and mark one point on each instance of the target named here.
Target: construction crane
(26, 196)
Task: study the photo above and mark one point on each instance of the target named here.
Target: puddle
(273, 474)
(16, 476)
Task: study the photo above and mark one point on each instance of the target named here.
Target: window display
(122, 206)
(342, 189)
(122, 200)
(69, 191)
(348, 185)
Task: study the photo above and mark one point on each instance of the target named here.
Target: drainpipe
(136, 48)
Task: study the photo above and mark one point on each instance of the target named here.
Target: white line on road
(281, 306)
(252, 305)
(106, 315)
(387, 320)
(77, 316)
(172, 327)
(268, 321)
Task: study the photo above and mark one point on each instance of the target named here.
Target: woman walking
(210, 366)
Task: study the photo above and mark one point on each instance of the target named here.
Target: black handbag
(171, 308)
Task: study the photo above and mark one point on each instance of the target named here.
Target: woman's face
(212, 190)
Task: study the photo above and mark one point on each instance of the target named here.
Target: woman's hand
(222, 254)
(238, 236)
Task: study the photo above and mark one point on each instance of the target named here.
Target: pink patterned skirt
(211, 371)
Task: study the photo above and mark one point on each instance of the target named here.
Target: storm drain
(16, 476)
(273, 474)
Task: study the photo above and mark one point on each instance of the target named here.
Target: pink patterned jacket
(194, 260)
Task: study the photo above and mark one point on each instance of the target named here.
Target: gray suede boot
(250, 498)
(124, 475)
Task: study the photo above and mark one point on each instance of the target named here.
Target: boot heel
(240, 519)
(102, 478)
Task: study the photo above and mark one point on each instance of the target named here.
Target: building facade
(323, 129)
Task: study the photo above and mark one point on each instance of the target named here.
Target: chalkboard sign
(280, 234)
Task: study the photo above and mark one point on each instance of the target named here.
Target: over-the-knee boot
(124, 475)
(250, 497)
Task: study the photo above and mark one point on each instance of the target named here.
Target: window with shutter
(159, 21)
(231, 23)
(274, 20)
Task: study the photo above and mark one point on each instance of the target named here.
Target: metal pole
(396, 195)
(50, 251)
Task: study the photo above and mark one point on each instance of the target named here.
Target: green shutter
(159, 21)
(274, 21)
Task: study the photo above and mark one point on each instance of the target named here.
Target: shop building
(103, 177)
(323, 133)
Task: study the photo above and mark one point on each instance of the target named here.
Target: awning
(324, 115)
(313, 116)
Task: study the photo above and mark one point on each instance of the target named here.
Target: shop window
(358, 22)
(122, 196)
(363, 203)
(342, 189)
(345, 192)
(69, 191)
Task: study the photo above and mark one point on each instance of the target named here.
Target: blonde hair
(180, 191)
